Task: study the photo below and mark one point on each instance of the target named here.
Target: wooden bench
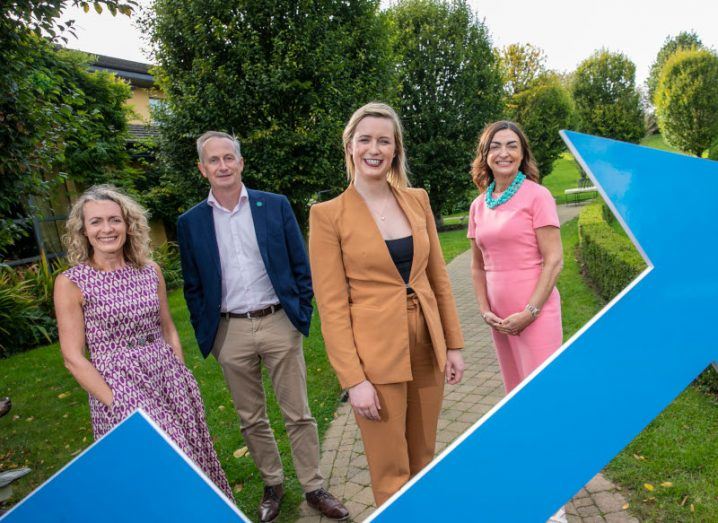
(584, 186)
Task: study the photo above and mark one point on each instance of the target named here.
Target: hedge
(610, 260)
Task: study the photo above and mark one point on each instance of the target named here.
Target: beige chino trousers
(242, 344)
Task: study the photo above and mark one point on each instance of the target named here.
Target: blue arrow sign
(134, 473)
(550, 436)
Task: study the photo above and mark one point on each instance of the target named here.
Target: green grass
(677, 454)
(44, 431)
(579, 303)
(453, 243)
(564, 175)
(657, 142)
(50, 420)
(679, 447)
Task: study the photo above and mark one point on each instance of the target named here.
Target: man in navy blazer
(248, 289)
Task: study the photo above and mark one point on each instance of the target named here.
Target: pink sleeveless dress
(512, 260)
(124, 337)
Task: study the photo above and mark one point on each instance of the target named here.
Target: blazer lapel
(212, 247)
(363, 215)
(258, 206)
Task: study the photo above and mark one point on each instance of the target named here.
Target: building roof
(140, 131)
(137, 73)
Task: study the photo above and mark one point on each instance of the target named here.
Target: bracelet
(533, 310)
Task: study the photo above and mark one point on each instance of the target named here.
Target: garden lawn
(564, 175)
(677, 454)
(49, 423)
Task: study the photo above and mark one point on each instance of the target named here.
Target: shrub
(687, 100)
(609, 258)
(167, 257)
(23, 323)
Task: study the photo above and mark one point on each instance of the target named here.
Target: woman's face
(372, 147)
(505, 153)
(105, 227)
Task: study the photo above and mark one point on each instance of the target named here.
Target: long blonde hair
(137, 246)
(398, 175)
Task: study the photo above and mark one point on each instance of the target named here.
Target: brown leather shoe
(327, 504)
(269, 507)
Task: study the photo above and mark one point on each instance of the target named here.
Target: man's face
(221, 165)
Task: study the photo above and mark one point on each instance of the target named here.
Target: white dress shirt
(245, 282)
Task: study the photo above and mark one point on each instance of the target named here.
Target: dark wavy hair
(481, 172)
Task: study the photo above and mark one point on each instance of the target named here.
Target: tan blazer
(361, 295)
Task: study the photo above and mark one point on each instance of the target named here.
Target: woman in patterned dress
(114, 301)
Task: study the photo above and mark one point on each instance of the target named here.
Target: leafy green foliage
(167, 257)
(55, 117)
(683, 40)
(610, 259)
(687, 100)
(607, 102)
(283, 76)
(449, 88)
(522, 65)
(543, 110)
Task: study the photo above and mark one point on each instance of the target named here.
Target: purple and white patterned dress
(124, 337)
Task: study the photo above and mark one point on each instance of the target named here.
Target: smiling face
(221, 164)
(505, 154)
(104, 226)
(373, 147)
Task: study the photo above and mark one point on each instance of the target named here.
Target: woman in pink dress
(517, 255)
(517, 252)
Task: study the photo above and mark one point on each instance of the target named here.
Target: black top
(402, 252)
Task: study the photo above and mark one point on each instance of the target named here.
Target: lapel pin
(259, 204)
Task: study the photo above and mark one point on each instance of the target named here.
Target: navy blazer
(283, 253)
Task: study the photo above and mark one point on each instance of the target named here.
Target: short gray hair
(216, 134)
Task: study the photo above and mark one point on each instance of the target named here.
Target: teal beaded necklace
(492, 203)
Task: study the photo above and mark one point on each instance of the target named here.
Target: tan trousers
(404, 441)
(242, 344)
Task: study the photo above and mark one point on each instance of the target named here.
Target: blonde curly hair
(137, 246)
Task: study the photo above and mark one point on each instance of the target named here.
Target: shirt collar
(243, 197)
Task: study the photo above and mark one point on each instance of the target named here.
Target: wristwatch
(533, 310)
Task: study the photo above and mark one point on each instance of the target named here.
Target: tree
(683, 40)
(607, 101)
(39, 99)
(449, 88)
(687, 100)
(521, 66)
(283, 76)
(543, 110)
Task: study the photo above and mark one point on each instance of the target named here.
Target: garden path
(344, 464)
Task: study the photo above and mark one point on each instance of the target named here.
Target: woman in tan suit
(388, 315)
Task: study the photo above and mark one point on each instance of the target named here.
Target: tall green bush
(610, 259)
(284, 76)
(449, 87)
(23, 322)
(683, 40)
(607, 101)
(687, 100)
(543, 110)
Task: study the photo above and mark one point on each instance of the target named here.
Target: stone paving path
(343, 462)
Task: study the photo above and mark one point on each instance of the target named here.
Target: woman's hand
(516, 323)
(454, 369)
(365, 401)
(492, 320)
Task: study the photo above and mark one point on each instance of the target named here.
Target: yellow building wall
(140, 104)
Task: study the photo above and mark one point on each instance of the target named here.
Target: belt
(141, 341)
(253, 314)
